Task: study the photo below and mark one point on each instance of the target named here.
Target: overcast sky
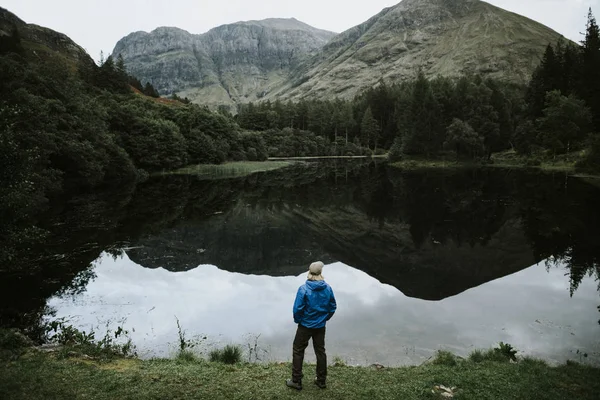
(99, 24)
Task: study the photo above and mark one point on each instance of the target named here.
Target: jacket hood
(316, 285)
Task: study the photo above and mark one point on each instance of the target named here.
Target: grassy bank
(376, 156)
(508, 159)
(417, 164)
(38, 375)
(229, 169)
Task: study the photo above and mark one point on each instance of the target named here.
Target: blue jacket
(315, 304)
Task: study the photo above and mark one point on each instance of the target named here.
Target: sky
(98, 24)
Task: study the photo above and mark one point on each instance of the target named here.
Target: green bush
(591, 163)
(186, 356)
(80, 342)
(395, 153)
(443, 357)
(230, 354)
(477, 356)
(12, 344)
(503, 353)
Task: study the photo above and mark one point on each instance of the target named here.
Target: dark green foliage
(415, 115)
(591, 163)
(229, 354)
(463, 140)
(369, 129)
(395, 153)
(570, 71)
(11, 43)
(149, 90)
(525, 138)
(12, 344)
(564, 124)
(423, 135)
(154, 144)
(590, 65)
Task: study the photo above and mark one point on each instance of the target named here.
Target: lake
(419, 261)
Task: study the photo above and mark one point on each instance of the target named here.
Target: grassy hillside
(441, 38)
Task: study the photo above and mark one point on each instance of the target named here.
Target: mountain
(224, 66)
(40, 41)
(285, 59)
(440, 37)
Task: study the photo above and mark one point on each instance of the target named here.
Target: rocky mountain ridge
(224, 66)
(286, 59)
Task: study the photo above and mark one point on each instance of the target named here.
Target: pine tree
(369, 129)
(546, 77)
(590, 83)
(120, 67)
(424, 135)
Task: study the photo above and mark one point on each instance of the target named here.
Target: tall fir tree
(545, 78)
(590, 82)
(369, 129)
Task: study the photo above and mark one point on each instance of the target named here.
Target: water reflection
(375, 322)
(431, 235)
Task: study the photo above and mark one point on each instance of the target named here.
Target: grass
(37, 375)
(230, 354)
(186, 356)
(507, 159)
(416, 164)
(229, 170)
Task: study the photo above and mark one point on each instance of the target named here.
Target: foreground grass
(230, 169)
(42, 376)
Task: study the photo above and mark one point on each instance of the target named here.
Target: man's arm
(332, 305)
(299, 305)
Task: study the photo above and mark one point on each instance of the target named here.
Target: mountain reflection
(429, 234)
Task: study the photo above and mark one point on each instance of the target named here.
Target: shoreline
(570, 170)
(66, 375)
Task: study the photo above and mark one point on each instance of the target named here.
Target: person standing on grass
(314, 306)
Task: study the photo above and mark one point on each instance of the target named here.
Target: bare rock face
(227, 65)
(440, 37)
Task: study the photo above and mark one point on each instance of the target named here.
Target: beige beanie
(315, 270)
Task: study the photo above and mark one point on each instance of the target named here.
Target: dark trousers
(303, 335)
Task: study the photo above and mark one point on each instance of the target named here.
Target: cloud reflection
(531, 310)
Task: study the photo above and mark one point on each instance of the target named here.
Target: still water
(419, 261)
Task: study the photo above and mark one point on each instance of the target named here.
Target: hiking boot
(294, 385)
(320, 384)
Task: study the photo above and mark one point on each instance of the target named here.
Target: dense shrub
(230, 354)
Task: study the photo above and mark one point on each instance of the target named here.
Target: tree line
(558, 112)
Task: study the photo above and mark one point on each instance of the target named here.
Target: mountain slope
(439, 37)
(40, 41)
(228, 64)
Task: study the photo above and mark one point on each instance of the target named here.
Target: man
(314, 306)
